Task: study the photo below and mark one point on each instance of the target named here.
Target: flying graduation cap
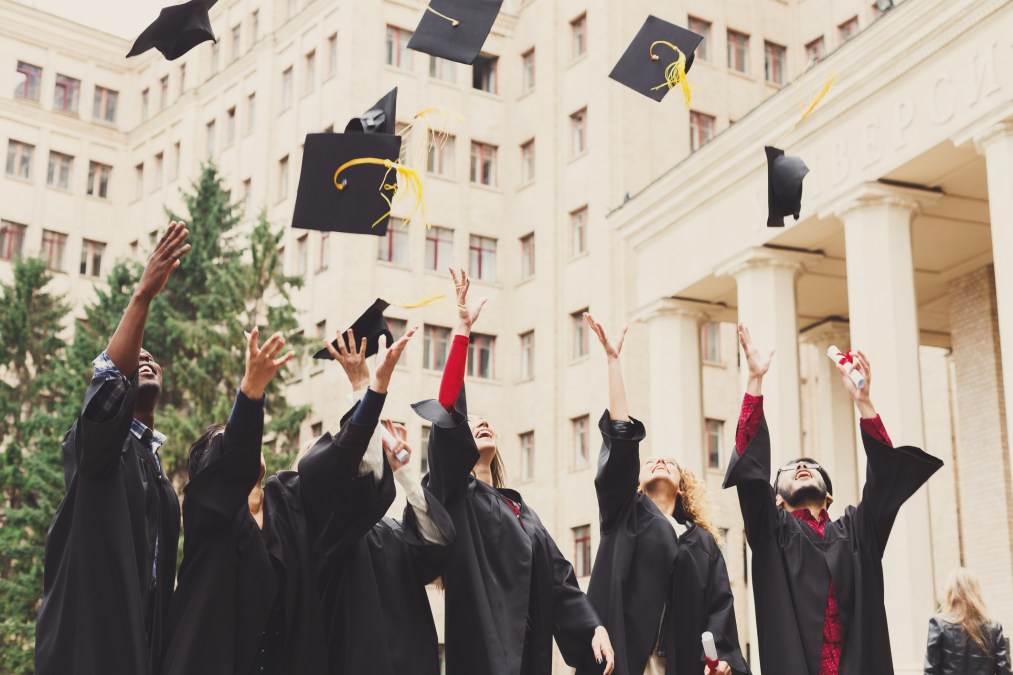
(658, 59)
(177, 30)
(784, 186)
(371, 325)
(379, 119)
(455, 29)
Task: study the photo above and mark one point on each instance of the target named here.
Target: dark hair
(498, 470)
(200, 448)
(809, 461)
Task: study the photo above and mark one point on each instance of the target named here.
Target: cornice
(762, 257)
(880, 194)
(660, 307)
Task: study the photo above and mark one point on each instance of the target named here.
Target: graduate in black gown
(376, 610)
(248, 598)
(508, 589)
(659, 579)
(817, 582)
(111, 549)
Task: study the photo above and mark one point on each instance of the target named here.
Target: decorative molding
(662, 307)
(766, 257)
(830, 331)
(1001, 129)
(880, 194)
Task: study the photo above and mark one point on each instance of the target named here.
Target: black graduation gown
(639, 558)
(100, 551)
(505, 571)
(793, 566)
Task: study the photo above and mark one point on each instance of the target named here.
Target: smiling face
(149, 381)
(800, 483)
(656, 472)
(485, 437)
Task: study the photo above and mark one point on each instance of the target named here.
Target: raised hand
(400, 448)
(757, 362)
(467, 314)
(859, 396)
(386, 359)
(352, 359)
(612, 347)
(721, 669)
(602, 648)
(261, 364)
(164, 259)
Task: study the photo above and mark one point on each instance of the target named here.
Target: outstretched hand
(261, 364)
(386, 359)
(467, 314)
(352, 359)
(401, 447)
(612, 347)
(164, 259)
(860, 396)
(757, 362)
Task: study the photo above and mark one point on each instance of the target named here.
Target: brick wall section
(982, 440)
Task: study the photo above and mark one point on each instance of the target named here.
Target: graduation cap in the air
(433, 411)
(371, 325)
(784, 186)
(651, 64)
(177, 30)
(455, 29)
(379, 119)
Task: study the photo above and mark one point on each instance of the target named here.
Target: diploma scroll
(845, 359)
(710, 652)
(402, 455)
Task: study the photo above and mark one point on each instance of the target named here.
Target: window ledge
(741, 75)
(525, 94)
(495, 96)
(451, 84)
(487, 188)
(392, 265)
(715, 364)
(20, 179)
(525, 185)
(583, 254)
(57, 188)
(578, 360)
(574, 158)
(525, 280)
(440, 176)
(579, 59)
(32, 101)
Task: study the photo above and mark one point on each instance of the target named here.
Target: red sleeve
(749, 421)
(874, 427)
(453, 373)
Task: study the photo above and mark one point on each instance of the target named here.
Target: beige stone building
(564, 191)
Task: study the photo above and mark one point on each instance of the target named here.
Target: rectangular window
(483, 163)
(247, 196)
(578, 132)
(483, 73)
(321, 330)
(66, 93)
(774, 63)
(481, 350)
(54, 246)
(254, 26)
(251, 112)
(578, 33)
(482, 258)
(703, 28)
(439, 248)
(332, 55)
(139, 181)
(578, 231)
(442, 69)
(528, 256)
(526, 441)
(815, 50)
(19, 159)
(436, 344)
(104, 106)
(215, 55)
(527, 355)
(701, 130)
(286, 88)
(528, 70)
(174, 169)
(237, 41)
(528, 162)
(441, 157)
(393, 248)
(317, 429)
(848, 29)
(163, 93)
(324, 257)
(283, 177)
(209, 137)
(310, 72)
(91, 258)
(715, 451)
(582, 550)
(579, 328)
(182, 78)
(230, 126)
(59, 170)
(159, 170)
(738, 51)
(579, 427)
(398, 54)
(144, 105)
(27, 81)
(302, 255)
(12, 240)
(710, 341)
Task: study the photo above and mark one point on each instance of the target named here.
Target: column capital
(660, 307)
(875, 194)
(768, 257)
(999, 130)
(830, 331)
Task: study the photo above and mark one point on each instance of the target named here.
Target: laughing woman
(659, 580)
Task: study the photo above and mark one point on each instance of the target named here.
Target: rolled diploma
(710, 652)
(402, 455)
(835, 355)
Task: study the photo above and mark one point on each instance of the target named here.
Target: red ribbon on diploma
(846, 357)
(712, 665)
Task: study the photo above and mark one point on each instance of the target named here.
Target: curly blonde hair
(693, 504)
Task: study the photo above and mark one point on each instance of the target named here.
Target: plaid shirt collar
(157, 438)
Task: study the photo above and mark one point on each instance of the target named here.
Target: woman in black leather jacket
(962, 641)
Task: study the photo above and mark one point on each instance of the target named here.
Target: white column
(675, 426)
(884, 325)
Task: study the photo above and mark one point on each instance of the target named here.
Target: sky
(125, 18)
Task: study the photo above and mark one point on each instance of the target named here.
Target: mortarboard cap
(379, 119)
(177, 30)
(360, 205)
(371, 325)
(644, 66)
(455, 29)
(433, 411)
(784, 186)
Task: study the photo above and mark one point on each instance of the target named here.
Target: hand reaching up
(860, 396)
(352, 359)
(467, 314)
(400, 447)
(261, 364)
(612, 347)
(164, 259)
(386, 359)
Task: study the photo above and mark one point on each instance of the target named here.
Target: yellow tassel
(416, 305)
(831, 78)
(404, 176)
(675, 72)
(453, 22)
(421, 135)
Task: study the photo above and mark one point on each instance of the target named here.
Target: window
(310, 80)
(174, 169)
(528, 162)
(441, 157)
(302, 255)
(579, 326)
(321, 330)
(139, 181)
(774, 63)
(578, 33)
(439, 248)
(393, 248)
(209, 137)
(163, 93)
(324, 252)
(27, 81)
(703, 28)
(715, 452)
(442, 69)
(19, 159)
(436, 342)
(527, 355)
(104, 107)
(815, 50)
(701, 130)
(710, 341)
(528, 256)
(848, 29)
(480, 356)
(283, 177)
(332, 54)
(317, 429)
(159, 170)
(397, 327)
(483, 73)
(12, 239)
(91, 258)
(182, 78)
(579, 431)
(582, 550)
(66, 94)
(247, 195)
(144, 105)
(738, 51)
(578, 132)
(59, 170)
(230, 126)
(483, 163)
(237, 40)
(286, 88)
(215, 52)
(254, 26)
(54, 245)
(251, 111)
(482, 258)
(528, 70)
(397, 48)
(526, 441)
(578, 231)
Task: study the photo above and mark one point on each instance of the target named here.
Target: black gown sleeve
(618, 468)
(749, 473)
(575, 618)
(429, 558)
(452, 451)
(934, 649)
(1001, 651)
(96, 439)
(721, 615)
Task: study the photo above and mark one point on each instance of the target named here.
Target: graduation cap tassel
(675, 72)
(453, 22)
(420, 137)
(831, 78)
(412, 181)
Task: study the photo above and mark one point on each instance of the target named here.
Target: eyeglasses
(793, 466)
(654, 460)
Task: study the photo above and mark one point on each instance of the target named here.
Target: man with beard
(818, 583)
(111, 549)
